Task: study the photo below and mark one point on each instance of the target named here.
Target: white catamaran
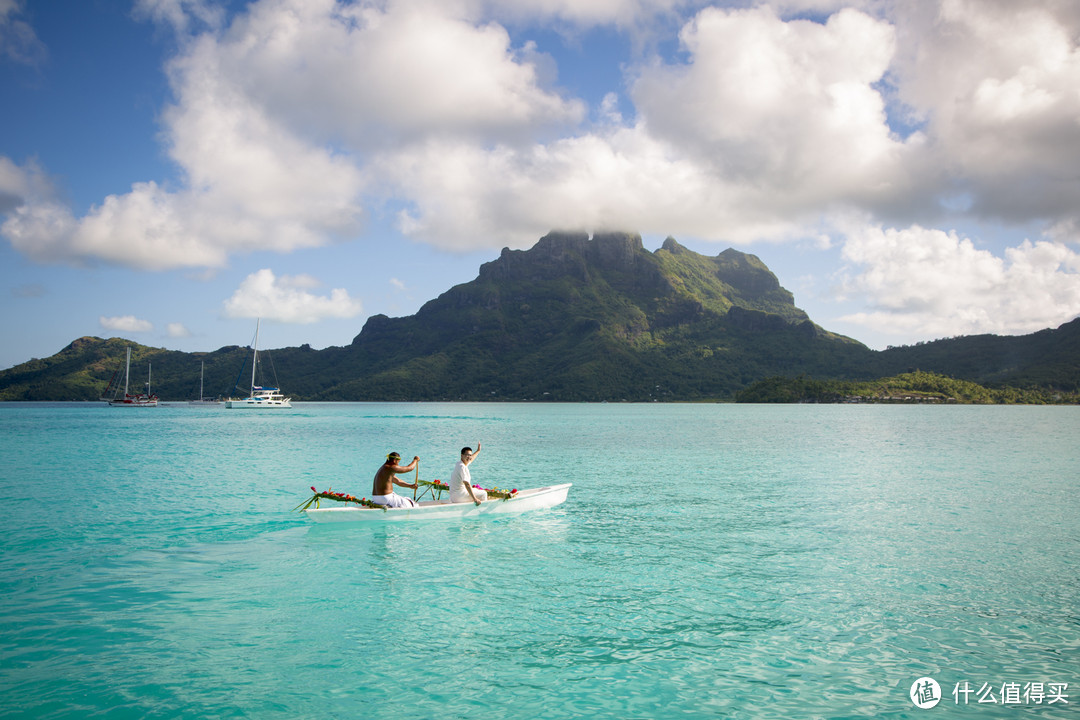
(260, 397)
(128, 400)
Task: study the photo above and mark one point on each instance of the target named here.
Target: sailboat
(260, 397)
(203, 400)
(129, 400)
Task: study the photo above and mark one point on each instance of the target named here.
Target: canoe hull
(525, 500)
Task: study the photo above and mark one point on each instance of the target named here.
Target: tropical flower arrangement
(497, 493)
(435, 487)
(339, 497)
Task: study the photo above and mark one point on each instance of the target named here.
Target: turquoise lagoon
(727, 561)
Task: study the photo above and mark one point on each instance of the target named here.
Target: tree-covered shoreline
(906, 388)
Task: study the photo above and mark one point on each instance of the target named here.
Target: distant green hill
(1046, 359)
(907, 388)
(84, 369)
(571, 319)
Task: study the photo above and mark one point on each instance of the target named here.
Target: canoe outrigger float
(363, 510)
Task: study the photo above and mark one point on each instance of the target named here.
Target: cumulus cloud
(787, 104)
(995, 85)
(275, 119)
(773, 125)
(177, 330)
(369, 76)
(287, 299)
(125, 323)
(467, 197)
(928, 282)
(767, 126)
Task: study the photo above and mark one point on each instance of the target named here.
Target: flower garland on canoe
(339, 497)
(494, 493)
(497, 493)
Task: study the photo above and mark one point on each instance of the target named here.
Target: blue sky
(172, 169)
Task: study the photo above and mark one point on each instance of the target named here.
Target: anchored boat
(357, 510)
(128, 400)
(260, 397)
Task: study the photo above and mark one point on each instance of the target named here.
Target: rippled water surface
(711, 561)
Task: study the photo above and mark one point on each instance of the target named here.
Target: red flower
(313, 489)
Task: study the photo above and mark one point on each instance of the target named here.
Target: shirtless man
(382, 491)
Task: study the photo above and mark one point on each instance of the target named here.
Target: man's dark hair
(466, 450)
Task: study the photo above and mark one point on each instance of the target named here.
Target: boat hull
(135, 401)
(258, 403)
(525, 500)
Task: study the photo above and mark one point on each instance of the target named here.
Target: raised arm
(398, 469)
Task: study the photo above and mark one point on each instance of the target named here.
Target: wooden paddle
(416, 479)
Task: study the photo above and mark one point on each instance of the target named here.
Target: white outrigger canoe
(523, 500)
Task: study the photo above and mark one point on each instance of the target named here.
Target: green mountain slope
(600, 319)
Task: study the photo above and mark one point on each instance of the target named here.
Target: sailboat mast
(255, 357)
(202, 368)
(127, 371)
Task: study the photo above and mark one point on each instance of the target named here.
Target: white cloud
(790, 104)
(294, 197)
(286, 299)
(180, 15)
(766, 127)
(177, 330)
(18, 41)
(365, 76)
(21, 185)
(274, 121)
(771, 126)
(125, 323)
(469, 197)
(932, 284)
(995, 83)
